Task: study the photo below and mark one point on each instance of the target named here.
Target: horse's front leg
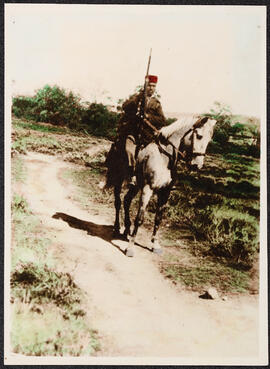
(163, 196)
(117, 205)
(132, 192)
(144, 199)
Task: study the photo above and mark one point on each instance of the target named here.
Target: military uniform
(131, 124)
(133, 130)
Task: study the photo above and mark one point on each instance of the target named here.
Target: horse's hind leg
(163, 196)
(127, 201)
(117, 205)
(144, 199)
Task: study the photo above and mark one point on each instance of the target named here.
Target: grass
(228, 186)
(58, 141)
(18, 172)
(30, 242)
(197, 271)
(48, 312)
(87, 181)
(40, 127)
(91, 198)
(37, 333)
(207, 273)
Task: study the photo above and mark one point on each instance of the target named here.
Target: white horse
(187, 138)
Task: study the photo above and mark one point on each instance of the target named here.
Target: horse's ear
(200, 122)
(203, 120)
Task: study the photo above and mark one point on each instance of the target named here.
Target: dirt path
(135, 310)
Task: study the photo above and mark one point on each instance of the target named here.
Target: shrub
(50, 104)
(232, 234)
(55, 105)
(231, 135)
(24, 107)
(44, 284)
(98, 120)
(222, 114)
(225, 227)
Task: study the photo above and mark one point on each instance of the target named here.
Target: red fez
(152, 79)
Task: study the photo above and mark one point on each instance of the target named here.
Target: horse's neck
(175, 132)
(176, 137)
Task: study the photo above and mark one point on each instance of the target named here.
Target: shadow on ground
(102, 231)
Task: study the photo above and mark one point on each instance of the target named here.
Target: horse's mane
(182, 124)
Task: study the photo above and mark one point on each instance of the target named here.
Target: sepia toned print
(135, 185)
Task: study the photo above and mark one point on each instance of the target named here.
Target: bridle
(190, 153)
(178, 152)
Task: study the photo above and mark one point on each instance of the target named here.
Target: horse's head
(196, 140)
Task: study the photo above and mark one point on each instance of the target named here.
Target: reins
(164, 139)
(176, 152)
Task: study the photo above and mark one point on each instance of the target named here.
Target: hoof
(157, 251)
(129, 252)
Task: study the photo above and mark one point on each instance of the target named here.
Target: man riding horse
(142, 117)
(145, 147)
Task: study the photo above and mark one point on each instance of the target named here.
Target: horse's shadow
(102, 231)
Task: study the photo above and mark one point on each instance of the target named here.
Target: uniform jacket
(130, 124)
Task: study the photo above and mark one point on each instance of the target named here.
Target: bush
(56, 106)
(98, 120)
(51, 105)
(232, 234)
(24, 107)
(230, 135)
(223, 116)
(44, 285)
(224, 227)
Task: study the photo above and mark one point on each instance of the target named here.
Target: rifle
(141, 108)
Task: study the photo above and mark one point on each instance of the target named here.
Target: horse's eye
(199, 137)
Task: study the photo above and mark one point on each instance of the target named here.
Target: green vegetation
(50, 104)
(48, 315)
(87, 181)
(187, 258)
(54, 105)
(99, 121)
(20, 123)
(218, 207)
(234, 134)
(68, 144)
(18, 172)
(220, 204)
(61, 108)
(206, 273)
(46, 333)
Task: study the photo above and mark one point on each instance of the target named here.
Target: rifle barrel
(149, 60)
